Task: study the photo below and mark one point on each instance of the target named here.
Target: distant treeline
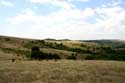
(104, 50)
(86, 49)
(39, 55)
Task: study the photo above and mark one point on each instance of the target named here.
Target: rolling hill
(64, 48)
(113, 43)
(24, 70)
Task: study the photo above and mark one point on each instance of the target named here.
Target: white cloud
(110, 11)
(40, 1)
(88, 12)
(62, 4)
(6, 3)
(79, 0)
(56, 3)
(46, 1)
(25, 16)
(60, 24)
(111, 15)
(28, 11)
(55, 17)
(116, 2)
(72, 23)
(110, 21)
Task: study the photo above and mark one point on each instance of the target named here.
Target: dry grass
(62, 53)
(5, 56)
(62, 71)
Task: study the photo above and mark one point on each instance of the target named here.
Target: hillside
(96, 49)
(79, 70)
(113, 43)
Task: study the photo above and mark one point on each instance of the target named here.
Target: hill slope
(63, 71)
(96, 49)
(113, 43)
(59, 71)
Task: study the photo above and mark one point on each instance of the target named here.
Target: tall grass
(62, 71)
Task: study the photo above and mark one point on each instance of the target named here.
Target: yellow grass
(62, 71)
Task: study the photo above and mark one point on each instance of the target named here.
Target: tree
(35, 52)
(35, 48)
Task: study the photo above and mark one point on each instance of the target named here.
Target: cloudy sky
(62, 19)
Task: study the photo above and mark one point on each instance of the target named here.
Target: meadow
(62, 71)
(93, 62)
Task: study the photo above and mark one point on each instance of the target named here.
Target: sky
(63, 19)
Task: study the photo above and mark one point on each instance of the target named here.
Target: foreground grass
(63, 71)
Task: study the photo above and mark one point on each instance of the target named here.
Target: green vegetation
(36, 61)
(65, 49)
(37, 54)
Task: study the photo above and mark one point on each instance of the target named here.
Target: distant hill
(113, 43)
(65, 48)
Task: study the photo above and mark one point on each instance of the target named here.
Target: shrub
(51, 56)
(35, 52)
(55, 56)
(38, 55)
(73, 57)
(90, 57)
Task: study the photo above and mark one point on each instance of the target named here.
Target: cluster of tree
(56, 45)
(39, 55)
(87, 49)
(61, 46)
(95, 52)
(30, 44)
(106, 57)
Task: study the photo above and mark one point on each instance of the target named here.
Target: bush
(35, 48)
(51, 56)
(55, 56)
(73, 57)
(90, 57)
(35, 52)
(38, 55)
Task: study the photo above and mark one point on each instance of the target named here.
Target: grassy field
(23, 70)
(62, 71)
